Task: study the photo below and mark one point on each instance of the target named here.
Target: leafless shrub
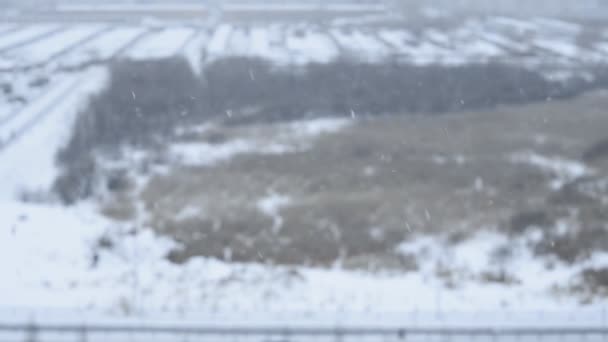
(596, 279)
(77, 181)
(499, 277)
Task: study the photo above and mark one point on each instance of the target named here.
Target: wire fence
(30, 332)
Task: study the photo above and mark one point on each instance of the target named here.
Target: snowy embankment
(32, 137)
(63, 268)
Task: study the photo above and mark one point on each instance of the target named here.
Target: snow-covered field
(48, 48)
(166, 43)
(58, 259)
(473, 40)
(61, 267)
(24, 34)
(102, 48)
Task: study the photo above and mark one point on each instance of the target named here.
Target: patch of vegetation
(250, 88)
(596, 279)
(145, 101)
(499, 277)
(574, 246)
(141, 106)
(522, 221)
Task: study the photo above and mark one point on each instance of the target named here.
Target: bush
(77, 181)
(522, 221)
(337, 88)
(596, 279)
(574, 246)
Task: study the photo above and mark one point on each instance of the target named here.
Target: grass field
(353, 195)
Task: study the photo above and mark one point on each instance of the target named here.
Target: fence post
(32, 332)
(604, 323)
(83, 333)
(286, 334)
(338, 334)
(401, 334)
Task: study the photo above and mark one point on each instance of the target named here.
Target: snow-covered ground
(64, 263)
(32, 138)
(73, 261)
(193, 51)
(537, 43)
(361, 45)
(218, 43)
(167, 43)
(286, 138)
(45, 49)
(63, 267)
(267, 42)
(308, 46)
(26, 34)
(102, 48)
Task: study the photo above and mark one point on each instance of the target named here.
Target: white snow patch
(46, 253)
(103, 47)
(286, 138)
(428, 53)
(194, 51)
(560, 47)
(315, 127)
(309, 46)
(437, 36)
(43, 50)
(361, 45)
(208, 154)
(558, 27)
(61, 268)
(25, 34)
(218, 43)
(271, 206)
(240, 42)
(564, 170)
(265, 43)
(189, 212)
(503, 41)
(28, 162)
(518, 25)
(166, 43)
(399, 39)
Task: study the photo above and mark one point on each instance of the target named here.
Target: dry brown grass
(119, 208)
(358, 193)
